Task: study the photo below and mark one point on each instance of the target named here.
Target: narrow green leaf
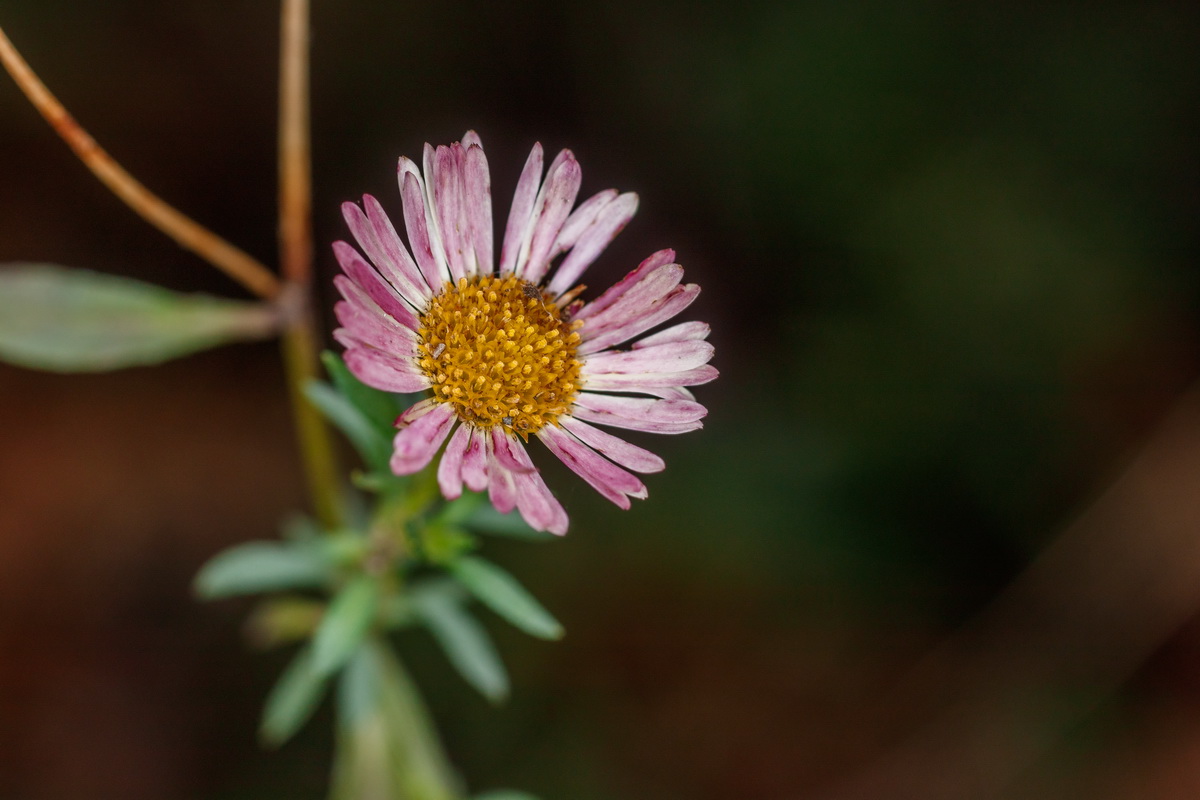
(75, 320)
(501, 592)
(486, 519)
(262, 567)
(345, 624)
(463, 639)
(359, 687)
(379, 407)
(292, 700)
(372, 445)
(505, 794)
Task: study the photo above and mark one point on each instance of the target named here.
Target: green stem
(313, 436)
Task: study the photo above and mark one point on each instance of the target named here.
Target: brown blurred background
(949, 254)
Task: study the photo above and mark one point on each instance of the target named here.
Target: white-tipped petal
(477, 201)
(676, 301)
(611, 220)
(416, 221)
(618, 289)
(613, 448)
(683, 332)
(670, 357)
(671, 415)
(607, 478)
(381, 371)
(552, 209)
(521, 214)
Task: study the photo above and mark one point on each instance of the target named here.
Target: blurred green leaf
(292, 700)
(345, 624)
(280, 620)
(505, 794)
(75, 320)
(388, 749)
(463, 639)
(486, 519)
(373, 446)
(359, 687)
(502, 593)
(378, 407)
(254, 567)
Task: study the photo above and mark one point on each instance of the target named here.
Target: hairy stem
(234, 262)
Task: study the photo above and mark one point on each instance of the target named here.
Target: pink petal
(504, 447)
(387, 260)
(502, 488)
(605, 477)
(521, 214)
(471, 139)
(381, 371)
(416, 222)
(416, 444)
(417, 410)
(371, 282)
(552, 209)
(614, 292)
(683, 332)
(449, 473)
(638, 382)
(477, 201)
(534, 500)
(445, 190)
(407, 272)
(581, 219)
(654, 286)
(615, 449)
(670, 357)
(374, 332)
(611, 221)
(639, 413)
(475, 460)
(363, 304)
(680, 298)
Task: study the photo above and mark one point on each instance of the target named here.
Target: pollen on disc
(500, 353)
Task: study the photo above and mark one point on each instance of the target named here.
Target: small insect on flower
(516, 368)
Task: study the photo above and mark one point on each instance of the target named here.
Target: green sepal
(438, 604)
(74, 320)
(253, 567)
(292, 700)
(502, 593)
(346, 623)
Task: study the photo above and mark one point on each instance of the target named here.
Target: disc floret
(501, 353)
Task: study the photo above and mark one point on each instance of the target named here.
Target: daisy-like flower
(510, 353)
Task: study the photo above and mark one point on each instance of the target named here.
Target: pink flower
(511, 353)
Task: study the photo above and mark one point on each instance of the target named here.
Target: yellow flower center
(501, 353)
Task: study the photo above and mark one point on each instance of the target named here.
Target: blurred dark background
(949, 256)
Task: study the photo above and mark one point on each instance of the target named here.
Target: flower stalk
(300, 338)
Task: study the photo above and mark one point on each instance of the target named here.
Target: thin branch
(234, 262)
(295, 159)
(300, 338)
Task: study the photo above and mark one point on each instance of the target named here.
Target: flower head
(510, 352)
